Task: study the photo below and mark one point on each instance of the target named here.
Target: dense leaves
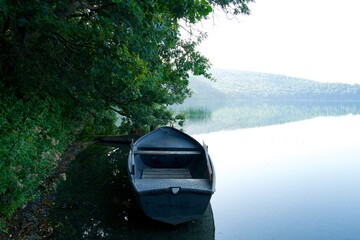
(33, 135)
(103, 55)
(85, 60)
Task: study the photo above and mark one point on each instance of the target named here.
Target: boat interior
(170, 163)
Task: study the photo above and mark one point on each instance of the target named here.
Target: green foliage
(101, 124)
(105, 54)
(33, 135)
(75, 63)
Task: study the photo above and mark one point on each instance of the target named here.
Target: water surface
(223, 115)
(284, 171)
(297, 180)
(96, 202)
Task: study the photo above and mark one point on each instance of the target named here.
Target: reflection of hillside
(248, 114)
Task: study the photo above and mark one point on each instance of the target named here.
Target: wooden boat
(172, 175)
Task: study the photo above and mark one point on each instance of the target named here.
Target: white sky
(312, 39)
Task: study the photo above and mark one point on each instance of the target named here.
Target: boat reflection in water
(96, 202)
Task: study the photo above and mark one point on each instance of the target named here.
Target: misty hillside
(252, 85)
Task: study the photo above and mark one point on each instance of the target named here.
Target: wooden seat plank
(166, 173)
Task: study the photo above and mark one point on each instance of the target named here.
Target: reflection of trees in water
(197, 114)
(248, 114)
(96, 202)
(97, 184)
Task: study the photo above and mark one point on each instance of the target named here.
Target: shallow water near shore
(96, 202)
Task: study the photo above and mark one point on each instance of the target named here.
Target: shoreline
(31, 221)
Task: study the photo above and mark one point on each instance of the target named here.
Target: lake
(292, 181)
(285, 179)
(283, 172)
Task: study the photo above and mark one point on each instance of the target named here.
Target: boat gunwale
(168, 152)
(203, 190)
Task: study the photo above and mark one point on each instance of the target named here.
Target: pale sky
(313, 39)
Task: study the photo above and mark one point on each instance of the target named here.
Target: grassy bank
(31, 221)
(34, 135)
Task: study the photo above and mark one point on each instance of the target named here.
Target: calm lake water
(292, 181)
(276, 179)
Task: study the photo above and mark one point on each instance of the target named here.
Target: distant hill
(262, 86)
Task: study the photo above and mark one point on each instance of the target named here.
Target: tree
(65, 64)
(103, 54)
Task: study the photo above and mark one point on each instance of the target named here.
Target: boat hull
(172, 176)
(164, 206)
